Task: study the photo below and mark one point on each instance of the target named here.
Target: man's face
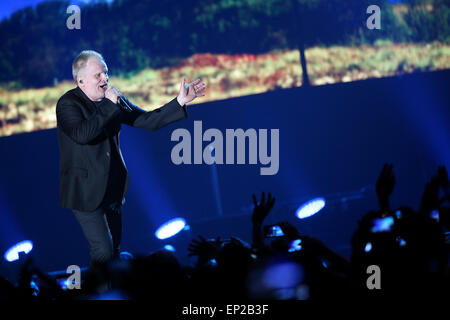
(93, 79)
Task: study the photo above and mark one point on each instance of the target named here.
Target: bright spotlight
(12, 254)
(170, 228)
(310, 208)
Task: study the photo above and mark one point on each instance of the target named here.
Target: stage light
(170, 228)
(12, 254)
(368, 247)
(310, 208)
(169, 247)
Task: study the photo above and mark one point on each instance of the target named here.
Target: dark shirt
(117, 172)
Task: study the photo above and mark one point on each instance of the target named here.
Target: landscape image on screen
(238, 48)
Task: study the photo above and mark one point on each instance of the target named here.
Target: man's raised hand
(188, 92)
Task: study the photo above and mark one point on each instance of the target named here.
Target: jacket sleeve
(155, 119)
(81, 130)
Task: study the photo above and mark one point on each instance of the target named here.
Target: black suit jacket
(84, 129)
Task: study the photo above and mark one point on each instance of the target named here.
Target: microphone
(124, 104)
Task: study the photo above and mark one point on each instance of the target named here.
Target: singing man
(93, 175)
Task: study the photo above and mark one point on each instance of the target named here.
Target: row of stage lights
(174, 226)
(169, 229)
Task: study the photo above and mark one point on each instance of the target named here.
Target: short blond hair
(81, 60)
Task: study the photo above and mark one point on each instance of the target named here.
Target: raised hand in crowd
(430, 198)
(385, 185)
(205, 250)
(260, 212)
(262, 209)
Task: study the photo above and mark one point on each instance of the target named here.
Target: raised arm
(173, 111)
(260, 212)
(155, 119)
(385, 185)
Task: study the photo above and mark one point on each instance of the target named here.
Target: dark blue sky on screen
(7, 7)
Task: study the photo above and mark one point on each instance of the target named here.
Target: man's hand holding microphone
(114, 94)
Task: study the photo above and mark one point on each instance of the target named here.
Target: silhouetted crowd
(396, 253)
